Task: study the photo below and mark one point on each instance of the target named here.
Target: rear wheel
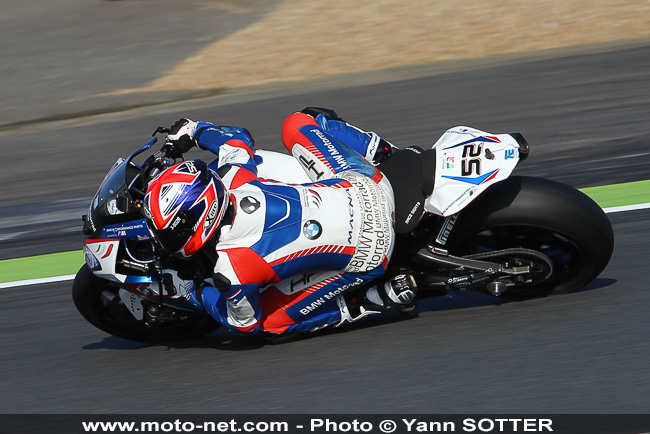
(97, 300)
(548, 217)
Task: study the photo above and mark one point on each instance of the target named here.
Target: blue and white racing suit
(292, 251)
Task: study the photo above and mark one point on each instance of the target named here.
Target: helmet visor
(176, 235)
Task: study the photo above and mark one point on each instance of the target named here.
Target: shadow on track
(227, 341)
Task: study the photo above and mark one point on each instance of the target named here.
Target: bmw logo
(312, 229)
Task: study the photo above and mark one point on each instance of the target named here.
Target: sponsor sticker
(249, 204)
(449, 163)
(134, 229)
(312, 229)
(375, 236)
(212, 215)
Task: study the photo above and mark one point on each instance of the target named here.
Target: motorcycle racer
(329, 239)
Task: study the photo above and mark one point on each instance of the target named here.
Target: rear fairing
(469, 161)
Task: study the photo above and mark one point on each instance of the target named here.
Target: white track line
(626, 208)
(18, 283)
(36, 281)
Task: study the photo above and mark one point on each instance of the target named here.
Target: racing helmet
(184, 206)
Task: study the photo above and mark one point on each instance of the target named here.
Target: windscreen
(112, 203)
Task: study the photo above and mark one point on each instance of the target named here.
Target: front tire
(542, 215)
(97, 301)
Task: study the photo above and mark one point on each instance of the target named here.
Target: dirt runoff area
(303, 39)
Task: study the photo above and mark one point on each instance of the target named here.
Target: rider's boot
(399, 294)
(374, 148)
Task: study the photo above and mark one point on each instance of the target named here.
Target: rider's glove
(175, 286)
(218, 281)
(182, 127)
(180, 138)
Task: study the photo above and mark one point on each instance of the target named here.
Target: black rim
(567, 258)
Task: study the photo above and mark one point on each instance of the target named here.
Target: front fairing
(115, 231)
(117, 241)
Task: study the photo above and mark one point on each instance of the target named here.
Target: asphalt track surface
(58, 56)
(586, 352)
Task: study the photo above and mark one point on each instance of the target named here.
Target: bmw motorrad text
(386, 426)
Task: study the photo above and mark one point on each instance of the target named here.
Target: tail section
(469, 161)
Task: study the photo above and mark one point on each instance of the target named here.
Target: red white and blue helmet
(184, 206)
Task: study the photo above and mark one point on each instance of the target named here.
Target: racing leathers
(290, 252)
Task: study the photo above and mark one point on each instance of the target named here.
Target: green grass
(61, 264)
(35, 267)
(630, 193)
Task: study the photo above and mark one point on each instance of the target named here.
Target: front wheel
(97, 300)
(537, 214)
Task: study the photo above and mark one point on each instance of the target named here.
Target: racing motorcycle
(513, 237)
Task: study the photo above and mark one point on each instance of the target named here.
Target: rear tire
(538, 214)
(114, 318)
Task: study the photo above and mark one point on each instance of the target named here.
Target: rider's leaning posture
(338, 228)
